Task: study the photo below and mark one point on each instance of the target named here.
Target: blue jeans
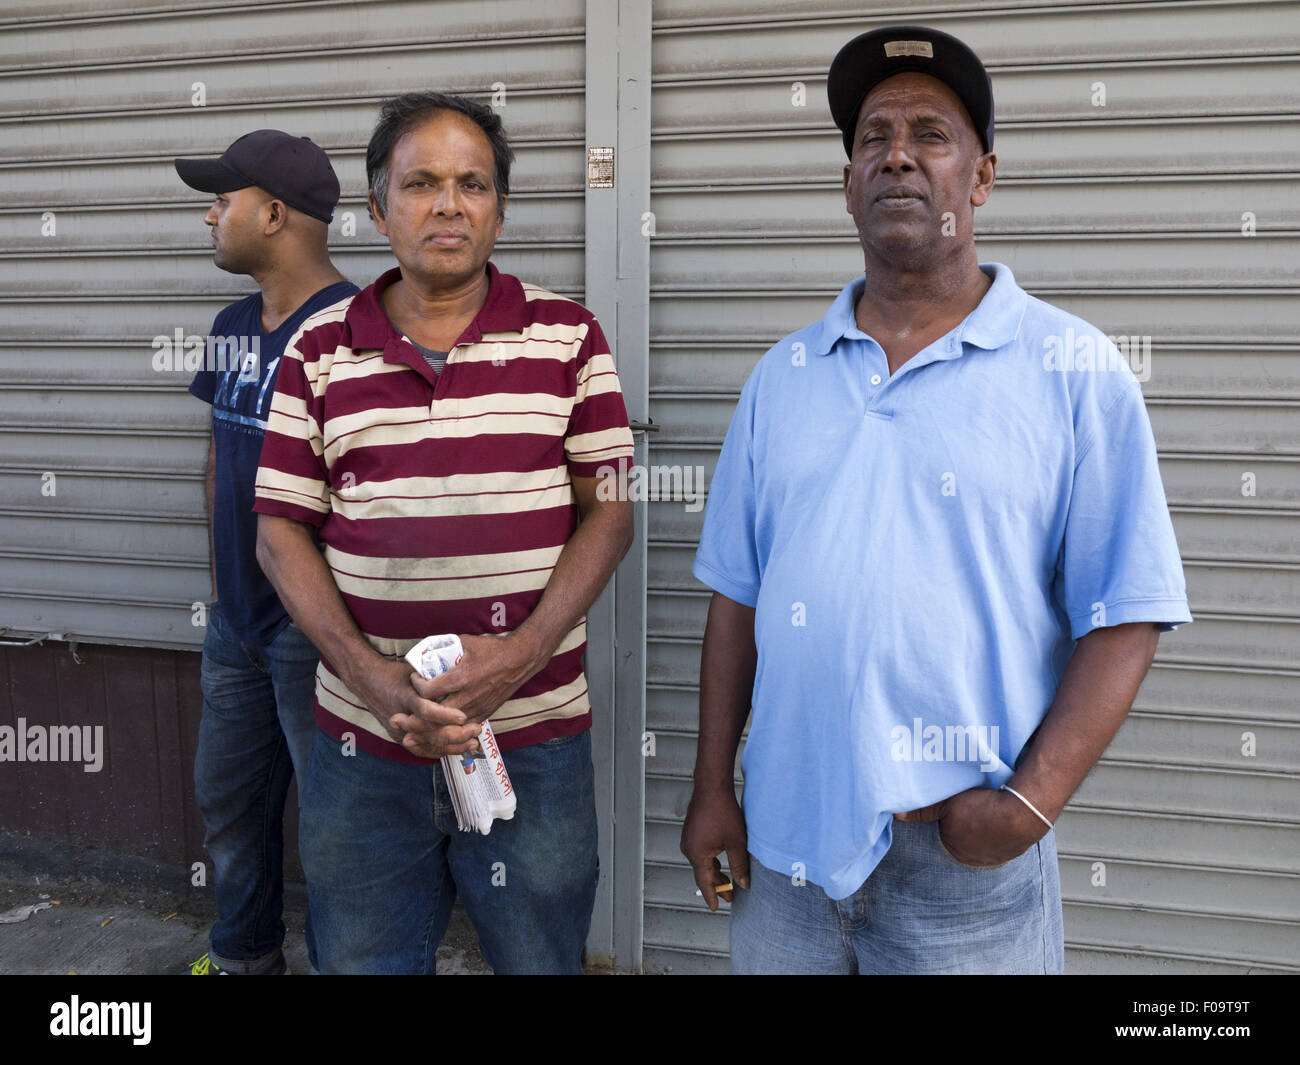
(257, 725)
(385, 861)
(920, 911)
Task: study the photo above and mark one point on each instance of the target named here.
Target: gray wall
(95, 108)
(1129, 215)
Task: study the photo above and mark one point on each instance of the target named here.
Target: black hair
(398, 115)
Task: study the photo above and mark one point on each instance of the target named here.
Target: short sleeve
(598, 433)
(727, 558)
(1119, 559)
(204, 384)
(292, 479)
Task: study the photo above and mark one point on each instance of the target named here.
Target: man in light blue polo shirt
(941, 556)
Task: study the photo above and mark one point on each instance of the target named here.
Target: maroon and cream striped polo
(443, 501)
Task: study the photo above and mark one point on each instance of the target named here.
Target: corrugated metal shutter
(1130, 215)
(98, 98)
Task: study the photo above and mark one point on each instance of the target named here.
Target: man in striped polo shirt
(440, 435)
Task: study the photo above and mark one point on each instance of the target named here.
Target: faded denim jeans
(920, 911)
(257, 725)
(385, 861)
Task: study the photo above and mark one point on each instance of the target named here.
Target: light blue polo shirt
(922, 551)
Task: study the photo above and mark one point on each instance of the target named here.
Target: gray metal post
(618, 292)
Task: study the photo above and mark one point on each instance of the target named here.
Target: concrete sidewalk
(92, 927)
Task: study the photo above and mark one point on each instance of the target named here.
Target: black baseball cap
(870, 58)
(290, 168)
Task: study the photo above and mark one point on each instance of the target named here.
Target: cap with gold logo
(870, 58)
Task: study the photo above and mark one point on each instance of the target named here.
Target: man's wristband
(1029, 804)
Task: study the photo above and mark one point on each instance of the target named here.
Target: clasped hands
(432, 718)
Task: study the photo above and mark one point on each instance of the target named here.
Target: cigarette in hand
(719, 889)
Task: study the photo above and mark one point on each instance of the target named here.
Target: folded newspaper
(479, 784)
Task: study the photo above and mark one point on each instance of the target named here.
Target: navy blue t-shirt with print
(238, 379)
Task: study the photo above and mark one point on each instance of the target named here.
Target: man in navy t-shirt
(275, 196)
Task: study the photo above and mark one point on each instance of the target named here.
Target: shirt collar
(996, 321)
(504, 311)
(993, 324)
